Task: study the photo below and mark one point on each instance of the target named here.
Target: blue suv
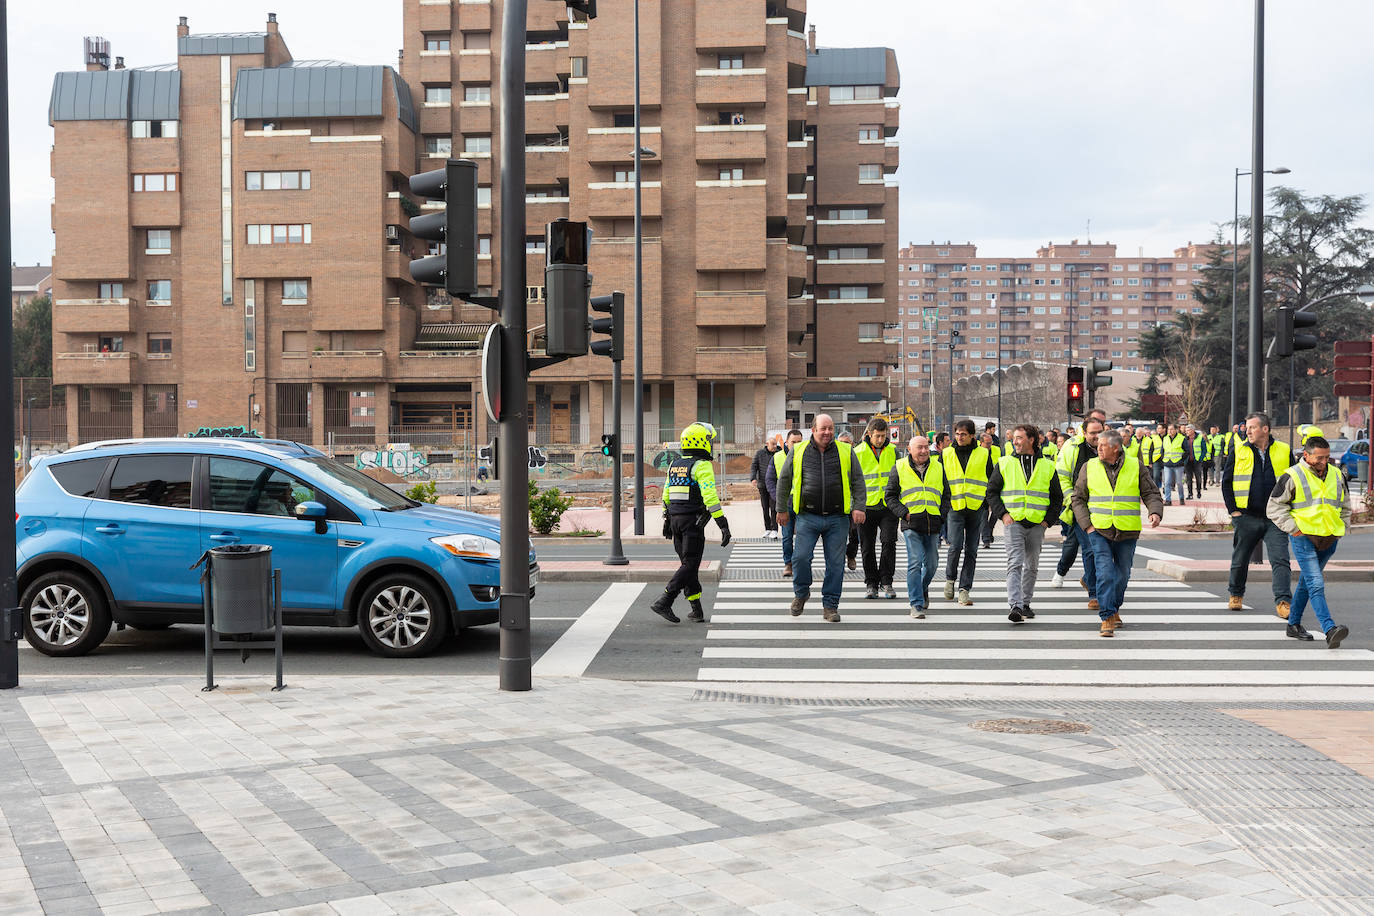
(107, 533)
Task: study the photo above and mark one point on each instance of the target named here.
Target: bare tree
(1186, 362)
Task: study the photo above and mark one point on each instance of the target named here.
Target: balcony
(475, 117)
(86, 316)
(732, 308)
(739, 240)
(429, 365)
(732, 87)
(474, 66)
(437, 15)
(540, 211)
(732, 362)
(730, 24)
(730, 142)
(436, 67)
(95, 368)
(436, 120)
(617, 144)
(155, 208)
(547, 114)
(546, 165)
(856, 271)
(798, 157)
(617, 198)
(347, 365)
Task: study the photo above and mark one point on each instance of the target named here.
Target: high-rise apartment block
(237, 253)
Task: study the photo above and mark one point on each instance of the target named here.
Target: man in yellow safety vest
(918, 492)
(877, 457)
(1025, 496)
(1247, 481)
(967, 466)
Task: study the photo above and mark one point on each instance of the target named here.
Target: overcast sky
(1021, 121)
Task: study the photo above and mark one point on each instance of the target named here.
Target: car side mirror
(316, 512)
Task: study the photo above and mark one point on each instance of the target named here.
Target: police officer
(877, 457)
(689, 502)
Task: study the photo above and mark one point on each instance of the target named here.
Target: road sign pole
(617, 557)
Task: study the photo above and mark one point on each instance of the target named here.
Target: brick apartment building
(220, 256)
(1069, 303)
(241, 256)
(28, 283)
(735, 108)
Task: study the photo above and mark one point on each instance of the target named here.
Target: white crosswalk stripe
(1175, 634)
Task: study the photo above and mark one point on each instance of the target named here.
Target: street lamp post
(953, 342)
(1234, 408)
(639, 304)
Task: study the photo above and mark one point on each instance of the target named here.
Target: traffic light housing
(1286, 338)
(1095, 374)
(608, 444)
(455, 226)
(1075, 391)
(566, 287)
(614, 326)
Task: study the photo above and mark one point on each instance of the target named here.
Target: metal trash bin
(241, 588)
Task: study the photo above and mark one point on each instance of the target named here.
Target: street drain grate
(1030, 726)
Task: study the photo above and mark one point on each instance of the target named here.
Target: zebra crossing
(1175, 634)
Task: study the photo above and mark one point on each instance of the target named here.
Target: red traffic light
(1075, 390)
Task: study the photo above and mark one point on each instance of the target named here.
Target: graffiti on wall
(224, 432)
(398, 461)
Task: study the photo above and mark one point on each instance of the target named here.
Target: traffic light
(1075, 391)
(566, 286)
(1286, 338)
(614, 326)
(608, 444)
(1095, 374)
(587, 7)
(456, 227)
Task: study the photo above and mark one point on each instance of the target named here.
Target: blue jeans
(1074, 539)
(1112, 560)
(785, 535)
(1311, 584)
(833, 530)
(922, 558)
(1173, 480)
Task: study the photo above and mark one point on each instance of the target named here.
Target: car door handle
(225, 538)
(110, 529)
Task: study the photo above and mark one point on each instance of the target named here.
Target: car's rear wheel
(402, 616)
(64, 614)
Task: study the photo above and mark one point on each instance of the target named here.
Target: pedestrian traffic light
(566, 286)
(614, 326)
(608, 444)
(455, 227)
(1075, 392)
(587, 7)
(1286, 338)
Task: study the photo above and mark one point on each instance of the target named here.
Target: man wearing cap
(1247, 482)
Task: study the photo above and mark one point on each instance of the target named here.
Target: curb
(596, 572)
(1184, 573)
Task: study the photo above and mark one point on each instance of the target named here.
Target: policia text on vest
(689, 503)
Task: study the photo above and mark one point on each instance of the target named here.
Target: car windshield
(354, 486)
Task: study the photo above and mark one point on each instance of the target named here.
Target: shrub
(425, 492)
(547, 508)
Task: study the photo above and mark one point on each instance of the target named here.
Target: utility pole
(9, 595)
(1255, 392)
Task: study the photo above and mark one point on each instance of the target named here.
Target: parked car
(1352, 457)
(107, 533)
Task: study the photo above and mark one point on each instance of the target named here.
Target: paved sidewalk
(417, 795)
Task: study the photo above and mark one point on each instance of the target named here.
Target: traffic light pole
(617, 557)
(9, 598)
(515, 663)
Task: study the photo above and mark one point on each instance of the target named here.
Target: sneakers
(1092, 604)
(697, 615)
(774, 535)
(853, 564)
(831, 614)
(1283, 609)
(964, 598)
(787, 571)
(798, 605)
(949, 591)
(889, 591)
(1057, 581)
(918, 613)
(1015, 615)
(1116, 621)
(1107, 628)
(1297, 632)
(871, 591)
(663, 607)
(1027, 613)
(1335, 635)
(1234, 604)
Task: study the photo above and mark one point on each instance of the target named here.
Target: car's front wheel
(402, 616)
(64, 614)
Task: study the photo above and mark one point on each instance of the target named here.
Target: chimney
(182, 28)
(119, 63)
(272, 23)
(811, 39)
(400, 57)
(97, 52)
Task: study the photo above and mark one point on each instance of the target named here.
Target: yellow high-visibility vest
(921, 494)
(967, 486)
(1026, 500)
(1317, 503)
(1245, 469)
(846, 451)
(875, 468)
(1114, 507)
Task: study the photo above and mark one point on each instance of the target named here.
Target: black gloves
(667, 528)
(724, 526)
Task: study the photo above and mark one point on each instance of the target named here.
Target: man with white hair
(918, 493)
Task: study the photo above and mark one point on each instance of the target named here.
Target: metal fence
(40, 412)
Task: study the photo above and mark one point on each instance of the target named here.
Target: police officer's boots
(697, 614)
(663, 607)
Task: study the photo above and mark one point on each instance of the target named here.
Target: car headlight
(470, 546)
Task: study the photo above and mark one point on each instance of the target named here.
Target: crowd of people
(1100, 485)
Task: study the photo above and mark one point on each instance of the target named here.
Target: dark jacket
(921, 522)
(997, 509)
(822, 489)
(1149, 496)
(762, 458)
(770, 478)
(1262, 483)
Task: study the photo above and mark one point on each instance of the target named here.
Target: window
(477, 41)
(159, 241)
(279, 234)
(159, 292)
(870, 172)
(484, 244)
(476, 93)
(255, 489)
(484, 196)
(624, 176)
(579, 67)
(293, 341)
(295, 292)
(851, 93)
(732, 173)
(111, 344)
(732, 62)
(480, 144)
(164, 181)
(870, 370)
(870, 330)
(847, 254)
(277, 181)
(870, 132)
(438, 146)
(145, 129)
(852, 292)
(112, 291)
(153, 480)
(439, 41)
(438, 95)
(159, 346)
(853, 213)
(80, 478)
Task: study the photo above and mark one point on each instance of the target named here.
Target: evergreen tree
(33, 338)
